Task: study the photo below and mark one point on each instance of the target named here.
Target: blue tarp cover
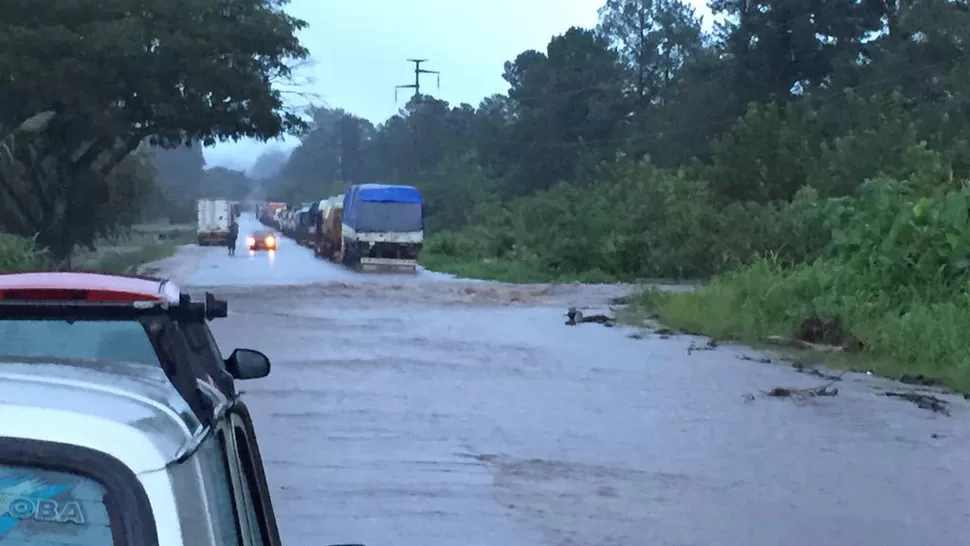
(384, 193)
(393, 209)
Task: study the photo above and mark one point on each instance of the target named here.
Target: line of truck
(370, 227)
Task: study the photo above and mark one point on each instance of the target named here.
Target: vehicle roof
(388, 193)
(135, 285)
(264, 232)
(130, 411)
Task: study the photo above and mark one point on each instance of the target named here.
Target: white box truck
(214, 217)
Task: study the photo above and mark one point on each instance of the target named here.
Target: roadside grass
(126, 254)
(903, 333)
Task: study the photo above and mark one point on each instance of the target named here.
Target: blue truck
(382, 227)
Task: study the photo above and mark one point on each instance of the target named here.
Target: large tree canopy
(117, 75)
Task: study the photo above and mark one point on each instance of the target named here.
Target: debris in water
(799, 395)
(918, 379)
(575, 316)
(814, 372)
(753, 359)
(637, 335)
(811, 392)
(922, 401)
(622, 300)
(709, 346)
(800, 368)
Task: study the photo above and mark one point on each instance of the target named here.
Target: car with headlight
(262, 240)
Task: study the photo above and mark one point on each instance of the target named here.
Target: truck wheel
(355, 259)
(350, 255)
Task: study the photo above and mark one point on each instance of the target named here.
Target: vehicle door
(254, 505)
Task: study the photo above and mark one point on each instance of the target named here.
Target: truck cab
(382, 227)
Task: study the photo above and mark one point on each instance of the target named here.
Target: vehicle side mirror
(215, 308)
(248, 364)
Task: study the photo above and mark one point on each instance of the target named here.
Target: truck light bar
(80, 306)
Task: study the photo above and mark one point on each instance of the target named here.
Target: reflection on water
(271, 254)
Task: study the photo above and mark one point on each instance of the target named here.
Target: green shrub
(20, 254)
(896, 271)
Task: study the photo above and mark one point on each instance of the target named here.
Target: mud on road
(428, 411)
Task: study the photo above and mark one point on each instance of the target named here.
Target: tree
(223, 183)
(269, 164)
(569, 98)
(171, 72)
(654, 40)
(780, 48)
(178, 181)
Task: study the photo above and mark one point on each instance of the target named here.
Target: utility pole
(417, 100)
(417, 79)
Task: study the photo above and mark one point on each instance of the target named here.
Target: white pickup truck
(214, 217)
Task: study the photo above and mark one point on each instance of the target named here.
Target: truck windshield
(394, 217)
(125, 340)
(46, 508)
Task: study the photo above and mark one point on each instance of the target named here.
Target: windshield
(395, 217)
(40, 507)
(102, 340)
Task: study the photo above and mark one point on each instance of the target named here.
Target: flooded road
(428, 411)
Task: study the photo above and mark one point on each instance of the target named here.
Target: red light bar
(91, 287)
(68, 294)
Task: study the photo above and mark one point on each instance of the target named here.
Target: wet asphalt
(425, 410)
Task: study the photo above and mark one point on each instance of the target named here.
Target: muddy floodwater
(429, 411)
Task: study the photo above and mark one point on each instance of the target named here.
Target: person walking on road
(233, 235)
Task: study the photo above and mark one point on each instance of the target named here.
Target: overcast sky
(359, 50)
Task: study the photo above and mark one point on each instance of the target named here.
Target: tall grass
(896, 271)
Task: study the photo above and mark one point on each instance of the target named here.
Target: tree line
(98, 97)
(779, 97)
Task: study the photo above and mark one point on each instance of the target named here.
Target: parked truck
(327, 231)
(215, 216)
(269, 213)
(382, 227)
(306, 224)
